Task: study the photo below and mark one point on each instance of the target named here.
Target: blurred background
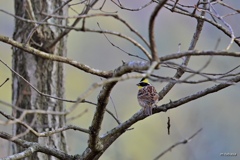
(218, 113)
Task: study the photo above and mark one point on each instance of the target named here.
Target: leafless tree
(40, 51)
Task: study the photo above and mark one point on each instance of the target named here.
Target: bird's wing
(148, 94)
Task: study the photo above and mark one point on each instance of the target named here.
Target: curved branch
(26, 153)
(178, 143)
(219, 26)
(97, 144)
(180, 71)
(89, 16)
(151, 30)
(12, 120)
(135, 43)
(103, 98)
(199, 53)
(131, 9)
(98, 15)
(37, 147)
(72, 27)
(85, 11)
(57, 58)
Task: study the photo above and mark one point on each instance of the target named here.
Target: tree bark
(47, 76)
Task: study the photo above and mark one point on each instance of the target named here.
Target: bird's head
(144, 82)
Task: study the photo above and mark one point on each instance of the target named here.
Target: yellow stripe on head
(144, 82)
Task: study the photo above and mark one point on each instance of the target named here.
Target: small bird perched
(147, 96)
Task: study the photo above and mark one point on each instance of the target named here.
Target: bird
(147, 96)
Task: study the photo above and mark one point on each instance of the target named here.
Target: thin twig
(45, 19)
(31, 50)
(36, 147)
(227, 25)
(43, 134)
(133, 55)
(85, 11)
(4, 82)
(217, 25)
(42, 94)
(77, 116)
(178, 143)
(132, 9)
(199, 53)
(151, 33)
(114, 106)
(116, 118)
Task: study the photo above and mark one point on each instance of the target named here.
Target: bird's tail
(148, 111)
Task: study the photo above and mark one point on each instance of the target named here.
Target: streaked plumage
(147, 96)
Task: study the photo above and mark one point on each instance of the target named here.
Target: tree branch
(109, 137)
(103, 98)
(217, 25)
(26, 153)
(199, 53)
(43, 134)
(176, 144)
(36, 147)
(57, 58)
(4, 82)
(151, 30)
(180, 71)
(85, 11)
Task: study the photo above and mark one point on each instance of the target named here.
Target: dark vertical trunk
(47, 76)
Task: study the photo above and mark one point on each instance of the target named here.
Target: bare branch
(202, 10)
(119, 72)
(26, 153)
(43, 134)
(52, 57)
(228, 6)
(132, 9)
(202, 68)
(178, 143)
(199, 53)
(134, 42)
(91, 30)
(85, 11)
(4, 82)
(151, 30)
(115, 110)
(180, 71)
(98, 15)
(227, 25)
(217, 25)
(37, 147)
(30, 111)
(103, 98)
(42, 94)
(77, 116)
(36, 28)
(133, 55)
(215, 88)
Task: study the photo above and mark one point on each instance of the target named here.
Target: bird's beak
(137, 84)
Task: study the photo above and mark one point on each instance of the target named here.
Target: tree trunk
(47, 76)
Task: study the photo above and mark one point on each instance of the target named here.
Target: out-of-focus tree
(45, 75)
